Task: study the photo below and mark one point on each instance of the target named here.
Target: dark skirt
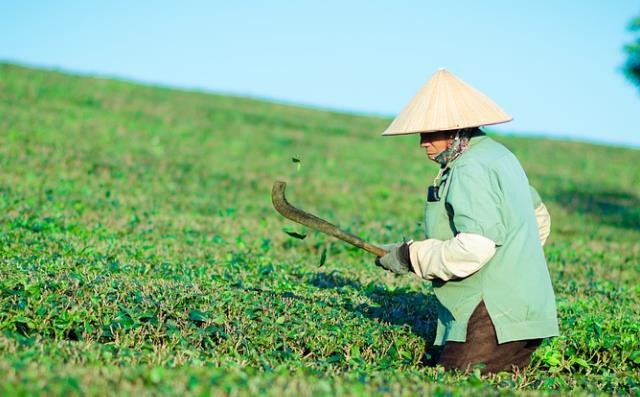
(481, 347)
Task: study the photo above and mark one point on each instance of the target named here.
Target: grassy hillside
(140, 253)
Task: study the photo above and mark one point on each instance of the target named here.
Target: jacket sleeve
(451, 259)
(543, 219)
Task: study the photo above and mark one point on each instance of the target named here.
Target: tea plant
(140, 253)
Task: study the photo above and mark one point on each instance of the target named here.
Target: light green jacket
(486, 192)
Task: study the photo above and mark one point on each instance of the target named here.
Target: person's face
(435, 142)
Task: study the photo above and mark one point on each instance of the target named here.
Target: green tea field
(140, 253)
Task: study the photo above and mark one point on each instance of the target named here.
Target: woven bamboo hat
(446, 103)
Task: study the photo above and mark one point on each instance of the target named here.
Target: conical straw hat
(446, 103)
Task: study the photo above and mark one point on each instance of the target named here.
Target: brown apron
(481, 347)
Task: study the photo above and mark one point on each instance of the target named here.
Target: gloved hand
(396, 260)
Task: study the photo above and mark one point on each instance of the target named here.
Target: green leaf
(581, 362)
(197, 316)
(156, 375)
(355, 352)
(297, 162)
(297, 235)
(323, 256)
(553, 358)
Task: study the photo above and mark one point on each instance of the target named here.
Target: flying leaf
(297, 162)
(295, 234)
(323, 257)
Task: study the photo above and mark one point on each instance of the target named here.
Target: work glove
(396, 260)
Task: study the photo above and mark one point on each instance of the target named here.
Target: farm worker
(484, 227)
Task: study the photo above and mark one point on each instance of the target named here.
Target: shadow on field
(400, 307)
(618, 209)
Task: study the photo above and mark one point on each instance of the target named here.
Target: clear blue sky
(553, 65)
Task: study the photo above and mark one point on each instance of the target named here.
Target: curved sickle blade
(281, 205)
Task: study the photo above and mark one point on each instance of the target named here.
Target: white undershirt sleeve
(544, 222)
(457, 257)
